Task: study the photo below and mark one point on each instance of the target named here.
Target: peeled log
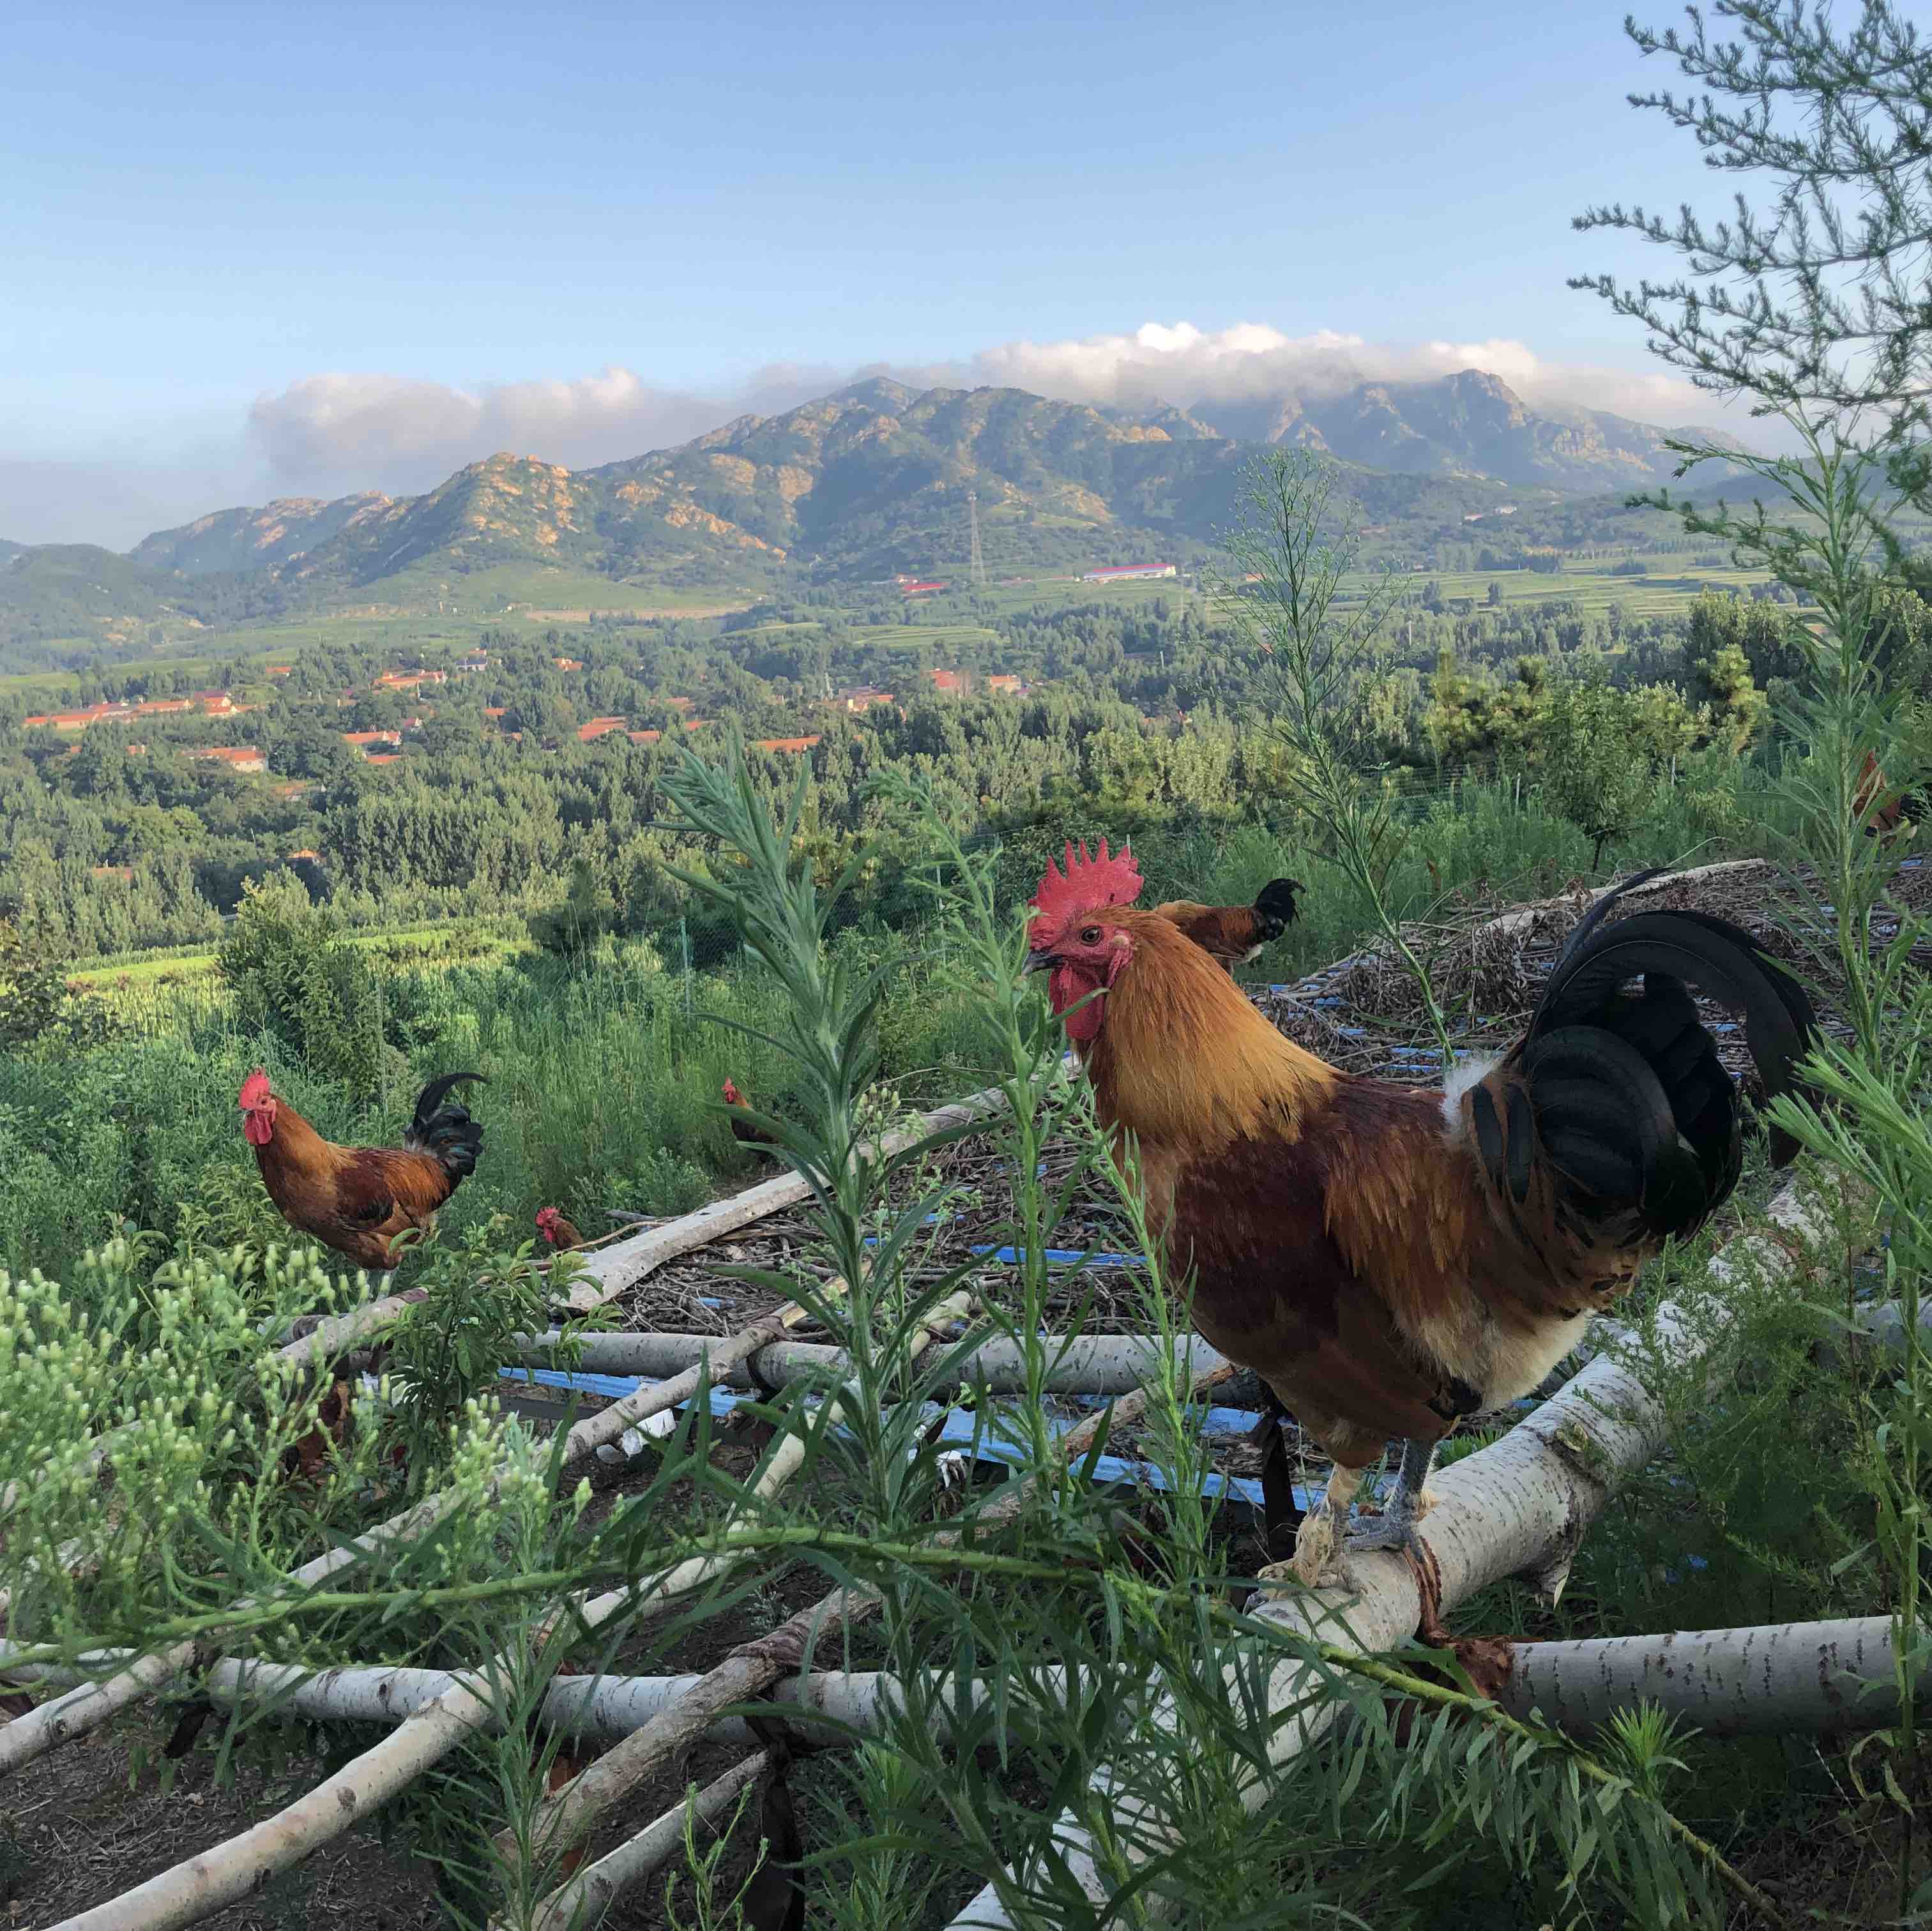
(1519, 1507)
(1831, 1678)
(1089, 1364)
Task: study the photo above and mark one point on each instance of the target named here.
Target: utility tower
(978, 564)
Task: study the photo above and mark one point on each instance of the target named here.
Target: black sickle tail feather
(1632, 1104)
(1274, 908)
(443, 1127)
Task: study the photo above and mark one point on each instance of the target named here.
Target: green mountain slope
(77, 590)
(253, 539)
(870, 482)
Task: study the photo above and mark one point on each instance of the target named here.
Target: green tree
(1594, 773)
(1740, 710)
(292, 972)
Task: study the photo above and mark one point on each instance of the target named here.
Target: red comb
(1092, 880)
(254, 1088)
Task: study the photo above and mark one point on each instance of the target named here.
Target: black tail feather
(443, 1127)
(1275, 909)
(1633, 1103)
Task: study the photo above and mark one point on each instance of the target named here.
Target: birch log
(752, 1670)
(1089, 1364)
(1833, 1678)
(1519, 1507)
(607, 1274)
(593, 1891)
(587, 1709)
(88, 1706)
(609, 1424)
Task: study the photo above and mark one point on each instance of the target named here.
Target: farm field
(1669, 585)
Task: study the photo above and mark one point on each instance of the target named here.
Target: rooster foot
(1318, 1562)
(1395, 1528)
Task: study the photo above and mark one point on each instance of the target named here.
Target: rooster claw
(1391, 1532)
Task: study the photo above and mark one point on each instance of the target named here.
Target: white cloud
(399, 433)
(1181, 364)
(331, 433)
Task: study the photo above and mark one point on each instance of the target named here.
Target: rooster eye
(1091, 936)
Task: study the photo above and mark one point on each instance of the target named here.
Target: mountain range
(871, 480)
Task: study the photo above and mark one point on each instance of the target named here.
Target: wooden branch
(587, 1896)
(622, 1265)
(609, 1424)
(589, 1709)
(750, 1670)
(1520, 1506)
(1090, 1364)
(1831, 1678)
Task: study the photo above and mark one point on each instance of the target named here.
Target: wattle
(1067, 987)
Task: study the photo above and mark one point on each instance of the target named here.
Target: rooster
(1234, 934)
(742, 1131)
(558, 1231)
(1389, 1259)
(358, 1199)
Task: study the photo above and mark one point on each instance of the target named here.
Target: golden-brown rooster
(358, 1199)
(1390, 1259)
(1234, 934)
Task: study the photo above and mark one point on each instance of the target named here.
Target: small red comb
(1092, 880)
(254, 1088)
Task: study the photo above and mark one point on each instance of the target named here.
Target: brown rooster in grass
(743, 1130)
(1390, 1259)
(1234, 934)
(358, 1199)
(561, 1233)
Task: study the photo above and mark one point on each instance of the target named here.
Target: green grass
(602, 1088)
(435, 945)
(1667, 589)
(944, 638)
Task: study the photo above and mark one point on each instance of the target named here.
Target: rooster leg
(1316, 1560)
(1406, 1506)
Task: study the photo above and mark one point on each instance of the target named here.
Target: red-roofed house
(361, 740)
(281, 670)
(921, 589)
(218, 702)
(679, 703)
(862, 699)
(493, 710)
(567, 663)
(645, 737)
(236, 756)
(948, 683)
(785, 744)
(1006, 684)
(598, 727)
(382, 757)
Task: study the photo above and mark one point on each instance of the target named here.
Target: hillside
(252, 539)
(62, 590)
(868, 483)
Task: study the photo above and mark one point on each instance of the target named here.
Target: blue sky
(463, 214)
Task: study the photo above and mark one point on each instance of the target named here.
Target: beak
(1040, 961)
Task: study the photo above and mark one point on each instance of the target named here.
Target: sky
(249, 251)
